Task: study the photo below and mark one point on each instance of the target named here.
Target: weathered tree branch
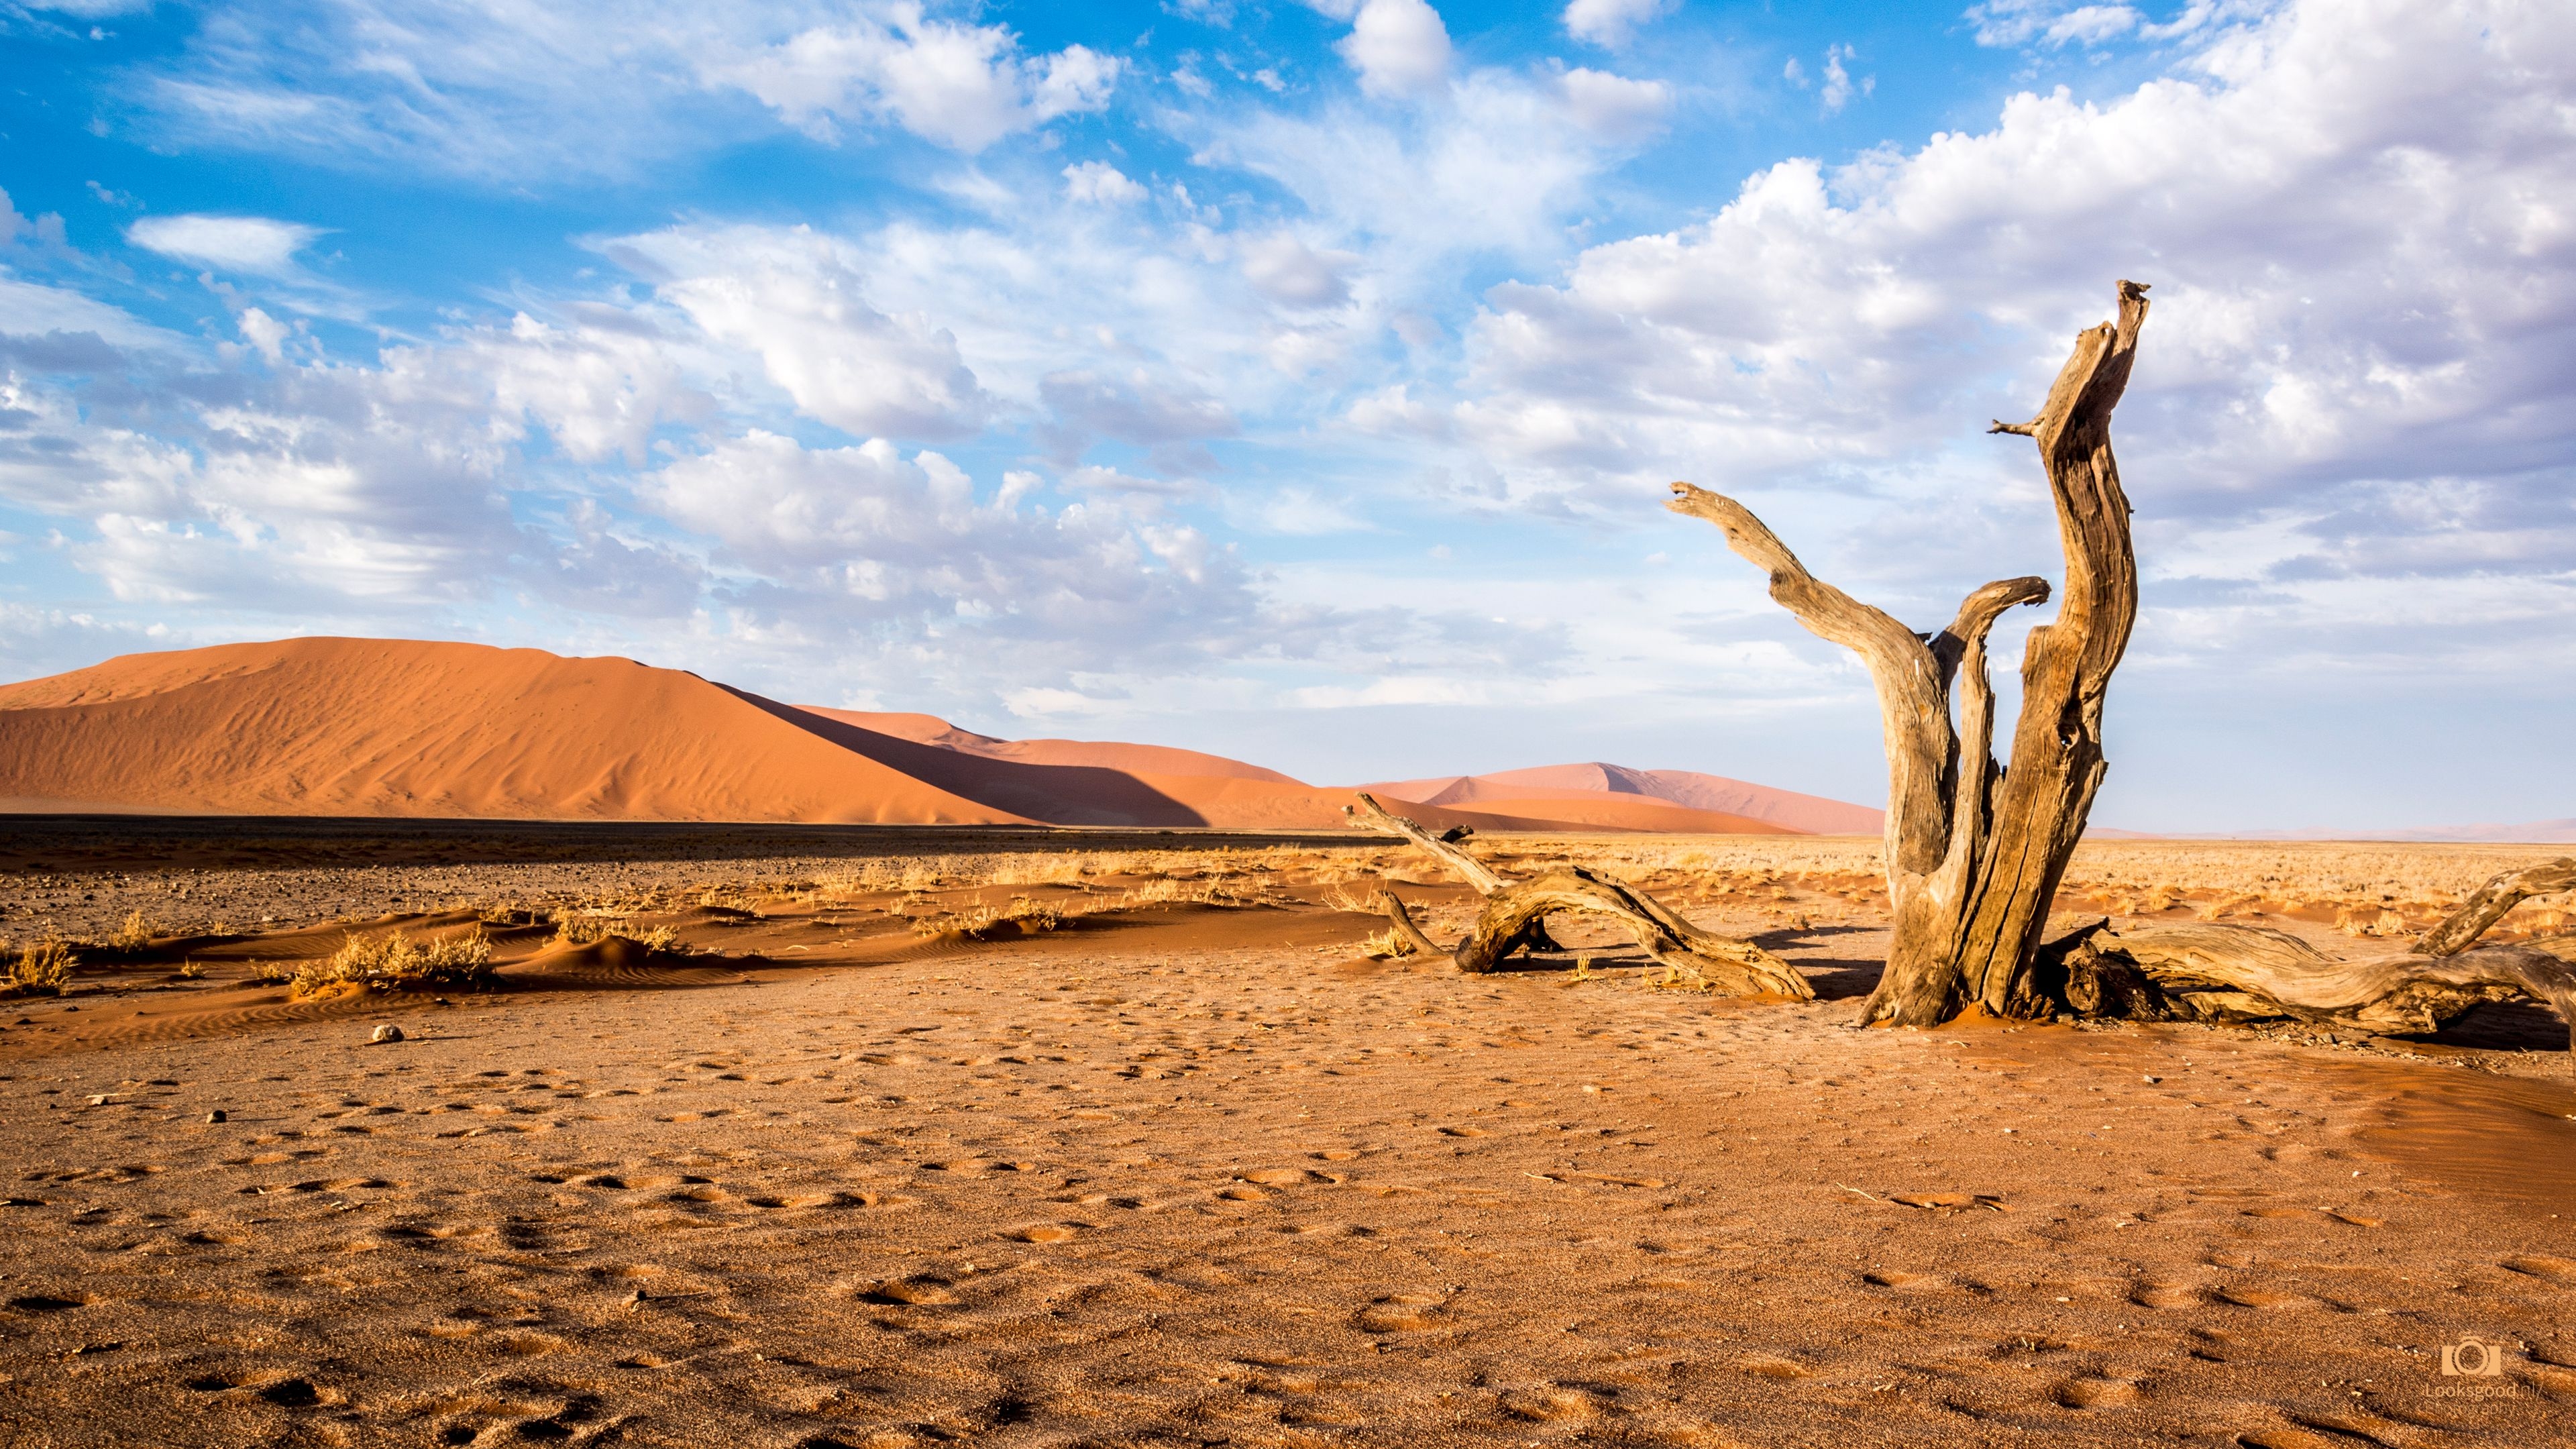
(1469, 868)
(2488, 903)
(2214, 972)
(1514, 917)
(1402, 920)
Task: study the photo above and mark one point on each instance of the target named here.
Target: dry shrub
(1022, 917)
(132, 937)
(394, 960)
(1386, 945)
(42, 968)
(575, 929)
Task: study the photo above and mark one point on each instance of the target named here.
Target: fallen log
(1514, 918)
(2243, 974)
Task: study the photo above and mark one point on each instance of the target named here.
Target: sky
(1301, 381)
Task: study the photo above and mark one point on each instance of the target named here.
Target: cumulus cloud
(1287, 271)
(492, 88)
(962, 86)
(797, 299)
(2364, 308)
(1611, 23)
(1100, 184)
(1614, 107)
(256, 244)
(1399, 48)
(864, 535)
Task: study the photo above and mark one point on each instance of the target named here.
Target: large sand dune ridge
(389, 727)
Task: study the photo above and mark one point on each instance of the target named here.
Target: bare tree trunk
(1515, 913)
(2252, 973)
(1974, 853)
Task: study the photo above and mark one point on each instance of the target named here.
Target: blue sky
(1298, 381)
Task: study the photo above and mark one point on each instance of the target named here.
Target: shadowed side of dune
(1054, 794)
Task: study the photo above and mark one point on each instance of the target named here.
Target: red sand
(413, 728)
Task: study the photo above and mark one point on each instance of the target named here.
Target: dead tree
(1514, 918)
(1973, 852)
(2252, 973)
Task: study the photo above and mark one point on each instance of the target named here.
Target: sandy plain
(1191, 1168)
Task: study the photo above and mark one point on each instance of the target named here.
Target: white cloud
(962, 86)
(1287, 271)
(845, 539)
(1614, 107)
(1101, 184)
(255, 244)
(797, 300)
(2365, 299)
(2051, 22)
(1839, 86)
(1611, 23)
(1399, 48)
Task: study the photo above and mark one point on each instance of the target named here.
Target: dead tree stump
(1514, 919)
(1974, 853)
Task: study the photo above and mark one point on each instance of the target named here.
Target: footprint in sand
(920, 1292)
(2556, 1270)
(2244, 1297)
(1550, 1406)
(1280, 1176)
(2094, 1393)
(1398, 1313)
(49, 1303)
(2164, 1295)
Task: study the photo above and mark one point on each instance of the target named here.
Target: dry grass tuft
(1022, 917)
(43, 968)
(134, 936)
(394, 960)
(1386, 945)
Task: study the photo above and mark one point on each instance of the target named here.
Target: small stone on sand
(216, 1115)
(385, 1033)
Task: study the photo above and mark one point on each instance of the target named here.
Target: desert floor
(873, 1156)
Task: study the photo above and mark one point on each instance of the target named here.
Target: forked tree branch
(2488, 903)
(1474, 871)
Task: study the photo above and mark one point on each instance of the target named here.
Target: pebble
(387, 1032)
(216, 1115)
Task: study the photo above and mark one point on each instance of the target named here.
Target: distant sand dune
(415, 728)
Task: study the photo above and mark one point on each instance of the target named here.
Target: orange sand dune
(1622, 795)
(1135, 759)
(399, 727)
(413, 728)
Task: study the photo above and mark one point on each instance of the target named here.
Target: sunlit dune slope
(405, 727)
(1614, 795)
(398, 727)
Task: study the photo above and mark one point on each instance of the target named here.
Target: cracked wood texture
(2213, 972)
(1974, 853)
(1514, 919)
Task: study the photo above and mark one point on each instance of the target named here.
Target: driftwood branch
(1513, 919)
(1402, 920)
(1469, 868)
(2252, 973)
(2488, 903)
